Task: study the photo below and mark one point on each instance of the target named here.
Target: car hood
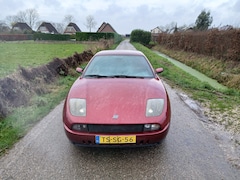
(117, 100)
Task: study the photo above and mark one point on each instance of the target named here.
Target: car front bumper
(142, 139)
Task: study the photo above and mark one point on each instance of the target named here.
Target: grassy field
(32, 54)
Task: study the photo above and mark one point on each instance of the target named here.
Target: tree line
(202, 23)
(31, 17)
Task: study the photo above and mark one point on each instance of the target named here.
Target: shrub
(140, 36)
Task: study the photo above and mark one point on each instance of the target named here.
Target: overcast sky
(127, 15)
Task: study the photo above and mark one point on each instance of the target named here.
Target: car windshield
(119, 66)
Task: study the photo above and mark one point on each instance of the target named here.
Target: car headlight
(78, 107)
(154, 107)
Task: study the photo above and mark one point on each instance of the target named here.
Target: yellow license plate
(115, 139)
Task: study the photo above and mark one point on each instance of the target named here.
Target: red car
(119, 100)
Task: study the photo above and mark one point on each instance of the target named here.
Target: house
(156, 30)
(226, 28)
(106, 27)
(155, 33)
(47, 28)
(72, 28)
(21, 26)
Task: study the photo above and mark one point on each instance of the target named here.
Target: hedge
(95, 36)
(80, 36)
(15, 37)
(117, 38)
(51, 37)
(220, 44)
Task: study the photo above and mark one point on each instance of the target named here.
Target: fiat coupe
(118, 100)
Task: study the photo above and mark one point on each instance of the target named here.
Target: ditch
(193, 72)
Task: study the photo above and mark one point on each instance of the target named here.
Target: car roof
(120, 52)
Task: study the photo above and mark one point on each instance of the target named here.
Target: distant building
(72, 28)
(156, 30)
(47, 28)
(20, 26)
(155, 33)
(106, 27)
(226, 28)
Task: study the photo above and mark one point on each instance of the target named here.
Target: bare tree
(59, 27)
(11, 20)
(169, 28)
(3, 27)
(21, 16)
(68, 18)
(90, 22)
(31, 17)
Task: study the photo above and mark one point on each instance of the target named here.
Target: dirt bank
(16, 89)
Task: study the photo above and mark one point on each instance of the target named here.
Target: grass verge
(225, 72)
(221, 106)
(16, 125)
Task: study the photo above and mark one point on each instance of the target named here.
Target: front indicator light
(151, 127)
(80, 127)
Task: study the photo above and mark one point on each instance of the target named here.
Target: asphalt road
(190, 151)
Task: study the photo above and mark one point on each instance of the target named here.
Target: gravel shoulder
(228, 140)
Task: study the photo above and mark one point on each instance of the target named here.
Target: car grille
(132, 128)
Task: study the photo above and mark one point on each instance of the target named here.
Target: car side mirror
(79, 70)
(159, 70)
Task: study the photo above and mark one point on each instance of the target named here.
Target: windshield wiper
(126, 76)
(97, 76)
(111, 76)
